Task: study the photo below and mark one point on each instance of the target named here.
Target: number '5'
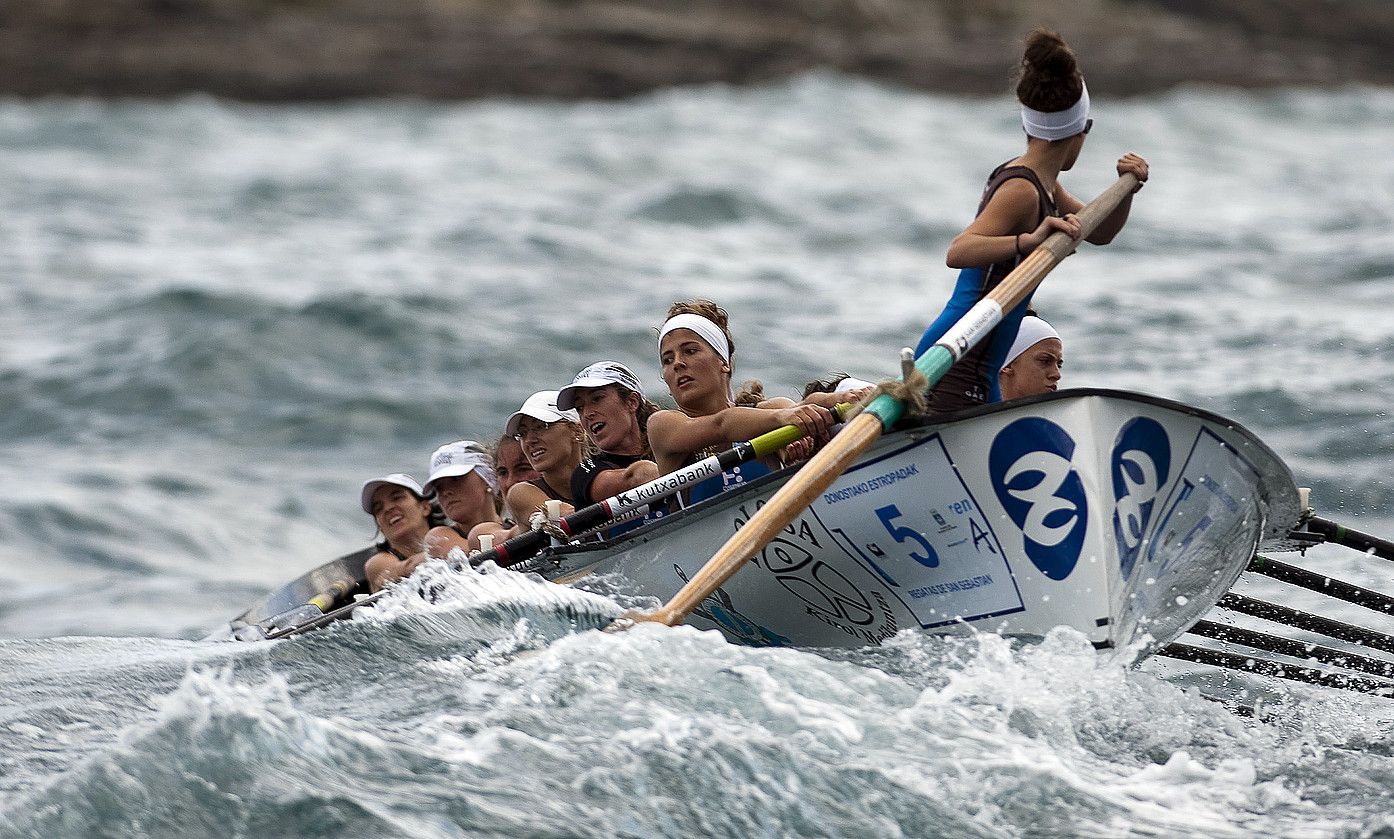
(890, 513)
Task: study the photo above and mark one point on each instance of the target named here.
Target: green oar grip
(935, 362)
(772, 441)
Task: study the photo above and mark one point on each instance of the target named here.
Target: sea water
(218, 319)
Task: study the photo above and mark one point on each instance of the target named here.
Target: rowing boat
(1121, 515)
(1113, 513)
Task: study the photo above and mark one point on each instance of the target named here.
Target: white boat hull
(1113, 513)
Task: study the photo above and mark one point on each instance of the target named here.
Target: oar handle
(1026, 276)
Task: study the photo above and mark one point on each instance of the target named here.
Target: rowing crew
(601, 435)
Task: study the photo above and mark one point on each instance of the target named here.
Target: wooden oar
(881, 414)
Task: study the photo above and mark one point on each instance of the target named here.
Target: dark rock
(330, 49)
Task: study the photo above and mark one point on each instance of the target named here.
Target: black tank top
(547, 490)
(968, 382)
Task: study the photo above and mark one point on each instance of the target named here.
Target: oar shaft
(1342, 535)
(1313, 581)
(1304, 621)
(524, 545)
(826, 465)
(1292, 647)
(325, 619)
(1264, 667)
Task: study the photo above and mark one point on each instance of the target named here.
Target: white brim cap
(461, 458)
(599, 374)
(851, 383)
(540, 406)
(1032, 331)
(400, 479)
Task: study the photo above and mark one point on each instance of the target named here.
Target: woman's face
(1035, 371)
(512, 465)
(691, 368)
(399, 514)
(465, 499)
(548, 445)
(608, 416)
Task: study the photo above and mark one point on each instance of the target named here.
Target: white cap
(541, 406)
(851, 383)
(399, 479)
(1033, 331)
(461, 458)
(599, 374)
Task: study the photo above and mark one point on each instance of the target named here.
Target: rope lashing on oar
(912, 392)
(538, 521)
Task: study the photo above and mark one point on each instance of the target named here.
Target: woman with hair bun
(1022, 204)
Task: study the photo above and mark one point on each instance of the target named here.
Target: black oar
(1313, 581)
(1292, 647)
(1304, 621)
(316, 621)
(597, 515)
(1265, 667)
(1339, 534)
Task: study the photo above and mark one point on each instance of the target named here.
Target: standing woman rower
(1022, 205)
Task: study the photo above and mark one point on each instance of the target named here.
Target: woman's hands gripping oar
(524, 545)
(881, 413)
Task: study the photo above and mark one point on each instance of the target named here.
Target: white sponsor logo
(1138, 493)
(1054, 469)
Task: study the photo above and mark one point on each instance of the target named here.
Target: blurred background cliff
(455, 49)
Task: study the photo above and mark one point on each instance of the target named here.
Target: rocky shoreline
(281, 50)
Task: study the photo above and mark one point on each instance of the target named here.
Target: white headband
(1033, 331)
(1057, 125)
(705, 329)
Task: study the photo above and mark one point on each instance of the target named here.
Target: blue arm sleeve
(967, 291)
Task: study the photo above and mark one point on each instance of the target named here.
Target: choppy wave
(218, 319)
(494, 710)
